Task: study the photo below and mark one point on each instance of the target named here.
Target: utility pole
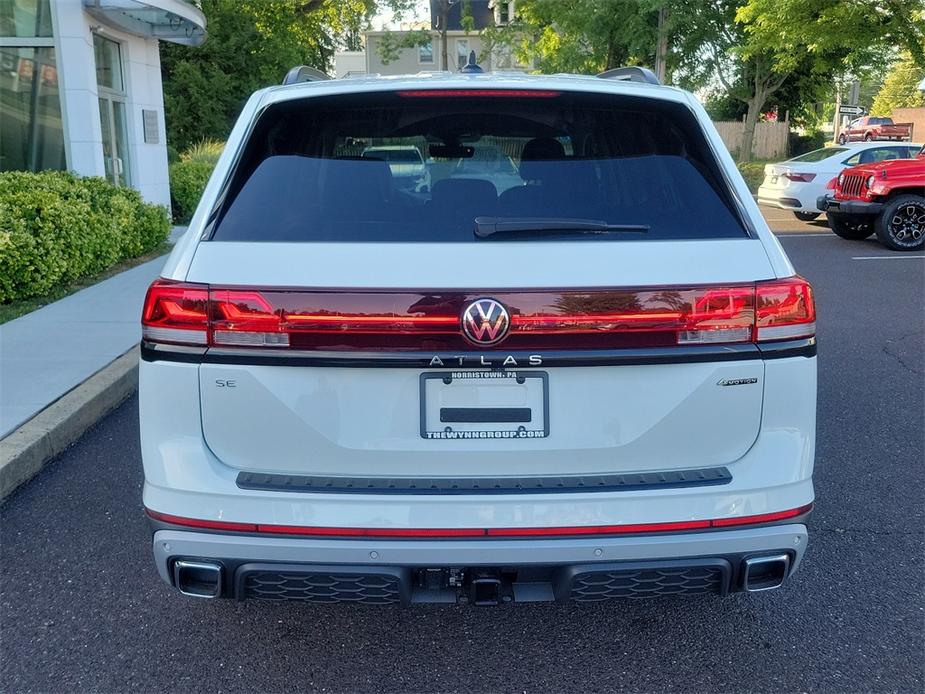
(836, 125)
(661, 48)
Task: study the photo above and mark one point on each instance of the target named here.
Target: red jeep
(887, 197)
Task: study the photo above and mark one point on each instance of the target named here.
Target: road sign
(851, 110)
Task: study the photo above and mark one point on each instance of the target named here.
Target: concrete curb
(25, 451)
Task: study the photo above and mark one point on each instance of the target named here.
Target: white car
(599, 383)
(491, 164)
(408, 169)
(796, 183)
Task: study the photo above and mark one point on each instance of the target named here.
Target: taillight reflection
(786, 310)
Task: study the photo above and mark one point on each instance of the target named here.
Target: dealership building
(80, 87)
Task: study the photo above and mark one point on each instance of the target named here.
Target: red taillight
(195, 314)
(785, 310)
(177, 313)
(799, 177)
(509, 93)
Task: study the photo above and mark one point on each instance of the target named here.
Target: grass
(21, 307)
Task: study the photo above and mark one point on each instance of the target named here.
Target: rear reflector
(429, 533)
(197, 314)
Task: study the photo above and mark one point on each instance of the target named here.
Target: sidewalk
(46, 353)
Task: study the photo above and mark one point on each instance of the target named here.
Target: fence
(770, 141)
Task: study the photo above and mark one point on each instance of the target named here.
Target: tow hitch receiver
(485, 588)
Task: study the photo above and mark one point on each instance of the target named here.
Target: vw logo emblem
(485, 322)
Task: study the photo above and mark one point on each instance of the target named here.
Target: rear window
(327, 169)
(820, 154)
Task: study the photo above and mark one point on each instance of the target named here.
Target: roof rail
(304, 73)
(631, 73)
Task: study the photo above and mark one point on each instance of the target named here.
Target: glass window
(108, 63)
(31, 130)
(820, 154)
(871, 156)
(25, 18)
(426, 52)
(322, 170)
(108, 55)
(462, 52)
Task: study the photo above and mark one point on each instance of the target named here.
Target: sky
(385, 19)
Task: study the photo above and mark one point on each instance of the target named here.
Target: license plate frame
(506, 431)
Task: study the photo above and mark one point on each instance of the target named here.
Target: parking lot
(82, 607)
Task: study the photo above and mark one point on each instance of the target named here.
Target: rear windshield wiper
(490, 226)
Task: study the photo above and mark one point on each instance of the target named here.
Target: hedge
(189, 175)
(56, 227)
(753, 173)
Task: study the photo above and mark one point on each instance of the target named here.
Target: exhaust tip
(198, 579)
(766, 573)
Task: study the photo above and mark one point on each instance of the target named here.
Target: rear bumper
(859, 207)
(525, 570)
(783, 202)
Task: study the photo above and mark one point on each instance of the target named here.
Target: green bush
(205, 151)
(187, 181)
(188, 177)
(753, 173)
(56, 227)
(801, 144)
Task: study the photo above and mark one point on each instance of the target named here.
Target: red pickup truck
(886, 197)
(874, 128)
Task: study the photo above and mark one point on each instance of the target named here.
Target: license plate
(773, 180)
(484, 405)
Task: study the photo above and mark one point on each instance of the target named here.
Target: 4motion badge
(736, 381)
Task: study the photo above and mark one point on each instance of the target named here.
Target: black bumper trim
(397, 585)
(443, 486)
(828, 204)
(805, 347)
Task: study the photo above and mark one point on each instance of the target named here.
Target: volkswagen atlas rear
(593, 379)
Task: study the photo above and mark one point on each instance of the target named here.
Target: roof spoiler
(304, 73)
(631, 73)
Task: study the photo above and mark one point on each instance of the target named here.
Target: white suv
(599, 382)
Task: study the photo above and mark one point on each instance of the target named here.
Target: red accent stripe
(599, 529)
(563, 531)
(762, 517)
(515, 93)
(199, 523)
(371, 532)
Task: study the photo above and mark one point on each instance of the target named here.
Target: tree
(900, 89)
(754, 48)
(249, 45)
(581, 36)
(823, 37)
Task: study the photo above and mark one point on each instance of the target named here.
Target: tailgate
(353, 406)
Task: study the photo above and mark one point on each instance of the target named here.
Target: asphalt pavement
(82, 608)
